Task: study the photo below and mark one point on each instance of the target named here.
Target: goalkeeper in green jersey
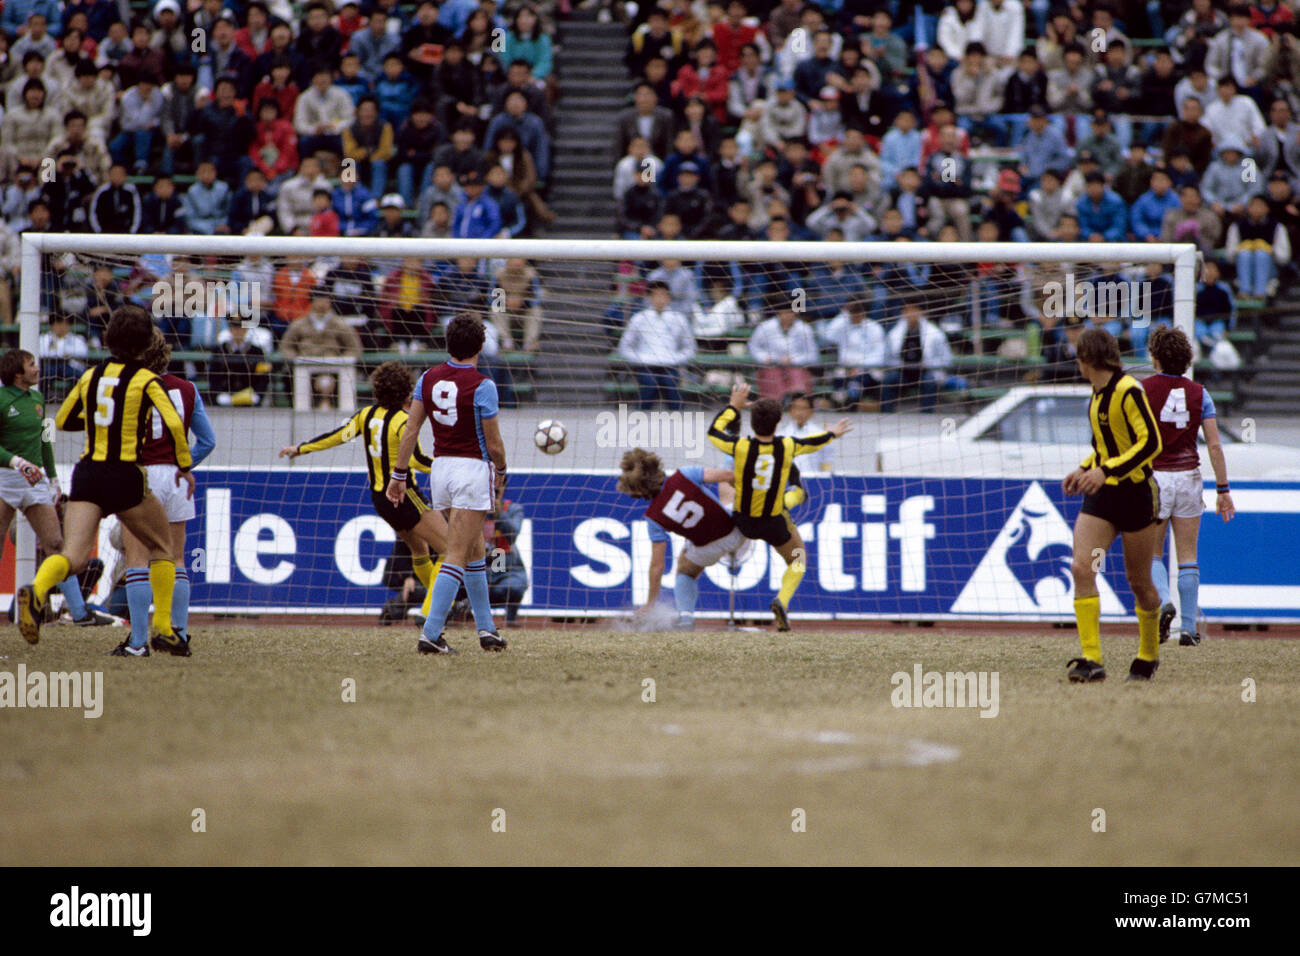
(27, 477)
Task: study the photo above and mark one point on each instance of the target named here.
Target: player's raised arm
(715, 476)
(344, 433)
(718, 433)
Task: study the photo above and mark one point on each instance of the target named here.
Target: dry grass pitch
(745, 728)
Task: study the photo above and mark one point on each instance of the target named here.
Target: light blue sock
(139, 598)
(181, 603)
(476, 589)
(1189, 586)
(445, 588)
(1160, 578)
(686, 591)
(71, 589)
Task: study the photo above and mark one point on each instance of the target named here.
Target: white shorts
(174, 497)
(703, 555)
(19, 495)
(464, 483)
(1181, 495)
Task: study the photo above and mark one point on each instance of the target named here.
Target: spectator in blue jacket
(253, 202)
(100, 15)
(477, 216)
(396, 91)
(1042, 148)
(372, 44)
(532, 132)
(1147, 216)
(513, 217)
(206, 204)
(357, 208)
(16, 12)
(1103, 217)
(350, 78)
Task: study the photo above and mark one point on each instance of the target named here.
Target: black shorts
(1129, 506)
(776, 530)
(115, 486)
(401, 517)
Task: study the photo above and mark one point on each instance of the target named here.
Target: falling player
(30, 487)
(467, 476)
(1185, 408)
(159, 460)
(110, 402)
(383, 424)
(1119, 499)
(763, 465)
(683, 504)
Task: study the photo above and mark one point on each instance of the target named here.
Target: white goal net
(953, 361)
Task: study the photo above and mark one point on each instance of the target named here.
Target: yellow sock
(1087, 614)
(428, 590)
(1149, 634)
(790, 581)
(53, 571)
(162, 579)
(421, 564)
(794, 495)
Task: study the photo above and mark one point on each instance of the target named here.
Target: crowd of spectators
(323, 118)
(901, 120)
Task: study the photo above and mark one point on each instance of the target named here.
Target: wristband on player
(1222, 489)
(400, 474)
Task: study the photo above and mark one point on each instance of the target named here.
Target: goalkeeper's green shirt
(22, 428)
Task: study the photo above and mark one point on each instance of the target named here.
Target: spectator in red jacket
(706, 78)
(254, 38)
(278, 86)
(731, 34)
(405, 305)
(274, 149)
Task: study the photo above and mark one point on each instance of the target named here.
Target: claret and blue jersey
(458, 398)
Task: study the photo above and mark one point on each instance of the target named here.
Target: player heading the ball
(763, 466)
(468, 476)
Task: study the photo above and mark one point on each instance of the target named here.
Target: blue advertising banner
(308, 541)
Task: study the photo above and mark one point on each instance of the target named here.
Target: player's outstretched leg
(686, 592)
(31, 597)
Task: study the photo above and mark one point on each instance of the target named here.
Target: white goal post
(35, 248)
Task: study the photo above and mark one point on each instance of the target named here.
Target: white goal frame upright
(1183, 257)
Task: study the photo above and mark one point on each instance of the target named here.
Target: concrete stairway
(593, 87)
(1274, 389)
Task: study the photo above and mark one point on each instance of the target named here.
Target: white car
(1042, 431)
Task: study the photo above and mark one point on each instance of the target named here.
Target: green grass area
(745, 729)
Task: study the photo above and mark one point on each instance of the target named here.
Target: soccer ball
(550, 437)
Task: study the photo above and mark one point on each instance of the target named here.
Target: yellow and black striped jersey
(119, 396)
(762, 468)
(382, 428)
(1125, 437)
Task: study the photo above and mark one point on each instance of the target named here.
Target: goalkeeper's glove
(25, 468)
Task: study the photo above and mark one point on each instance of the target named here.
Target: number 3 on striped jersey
(105, 404)
(376, 429)
(1175, 408)
(444, 403)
